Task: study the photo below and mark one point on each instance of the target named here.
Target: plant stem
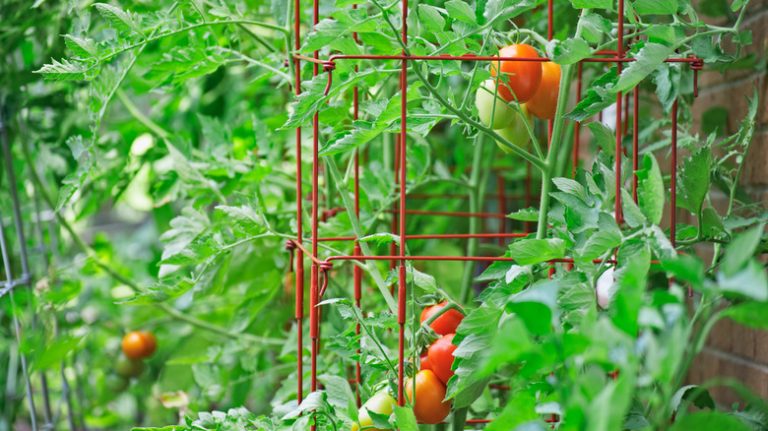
(349, 207)
(477, 182)
(554, 149)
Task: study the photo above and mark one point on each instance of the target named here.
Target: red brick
(743, 343)
(732, 96)
(761, 347)
(721, 336)
(756, 167)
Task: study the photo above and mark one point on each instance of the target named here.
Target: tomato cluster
(436, 366)
(517, 90)
(136, 346)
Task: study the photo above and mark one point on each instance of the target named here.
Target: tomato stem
(449, 306)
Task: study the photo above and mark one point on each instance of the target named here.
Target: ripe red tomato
(520, 79)
(543, 104)
(425, 362)
(446, 323)
(429, 406)
(516, 132)
(440, 356)
(139, 344)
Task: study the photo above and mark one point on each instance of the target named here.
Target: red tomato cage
(306, 247)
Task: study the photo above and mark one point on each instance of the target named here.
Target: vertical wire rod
(401, 292)
(619, 98)
(299, 281)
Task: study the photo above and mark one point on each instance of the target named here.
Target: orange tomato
(429, 406)
(139, 344)
(446, 323)
(519, 79)
(543, 104)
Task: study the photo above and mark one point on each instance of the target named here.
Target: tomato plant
(156, 152)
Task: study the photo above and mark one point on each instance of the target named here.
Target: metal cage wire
(319, 269)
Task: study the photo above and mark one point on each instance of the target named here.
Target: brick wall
(732, 350)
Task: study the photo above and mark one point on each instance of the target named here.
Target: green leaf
(599, 243)
(655, 7)
(650, 57)
(54, 353)
(536, 306)
(741, 249)
(703, 399)
(460, 11)
(571, 187)
(750, 314)
(525, 214)
(431, 17)
(500, 10)
(650, 189)
(406, 420)
(693, 179)
(605, 138)
(710, 421)
(244, 217)
(340, 394)
(711, 224)
(598, 96)
(631, 277)
(715, 120)
(568, 51)
(632, 213)
(594, 27)
(381, 238)
(364, 131)
(82, 47)
(517, 411)
(475, 337)
(685, 268)
(63, 70)
(119, 18)
(713, 8)
(592, 4)
(531, 251)
(750, 282)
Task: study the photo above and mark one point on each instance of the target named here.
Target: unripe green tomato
(484, 100)
(129, 368)
(516, 133)
(381, 403)
(116, 383)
